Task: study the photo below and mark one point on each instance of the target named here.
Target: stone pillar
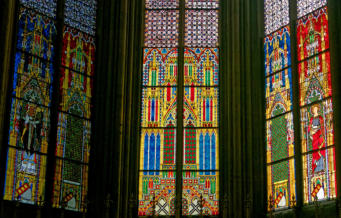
(317, 205)
(226, 202)
(248, 206)
(40, 205)
(108, 204)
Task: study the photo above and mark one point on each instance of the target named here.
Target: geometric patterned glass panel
(166, 4)
(161, 28)
(47, 7)
(276, 14)
(73, 138)
(307, 6)
(157, 175)
(200, 175)
(201, 28)
(280, 138)
(81, 14)
(70, 185)
(202, 4)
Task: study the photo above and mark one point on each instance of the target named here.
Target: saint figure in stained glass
(316, 135)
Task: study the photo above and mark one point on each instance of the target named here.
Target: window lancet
(315, 115)
(160, 107)
(34, 84)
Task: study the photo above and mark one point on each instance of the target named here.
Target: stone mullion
(180, 97)
(334, 15)
(9, 29)
(296, 104)
(51, 158)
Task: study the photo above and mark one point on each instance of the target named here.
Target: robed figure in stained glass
(316, 134)
(31, 129)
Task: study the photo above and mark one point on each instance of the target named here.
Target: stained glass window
(200, 176)
(29, 126)
(279, 104)
(315, 113)
(75, 88)
(199, 102)
(317, 133)
(34, 82)
(157, 179)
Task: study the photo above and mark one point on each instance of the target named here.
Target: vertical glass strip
(280, 142)
(74, 106)
(317, 131)
(200, 177)
(157, 177)
(29, 125)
